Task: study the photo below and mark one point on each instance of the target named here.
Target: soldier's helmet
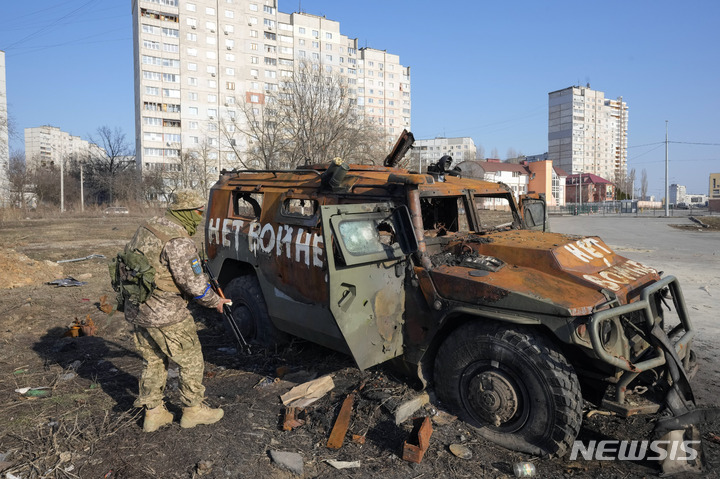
(187, 200)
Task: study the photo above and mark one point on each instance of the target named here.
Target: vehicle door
(367, 249)
(533, 209)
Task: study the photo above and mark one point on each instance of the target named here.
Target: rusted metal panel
(419, 441)
(337, 435)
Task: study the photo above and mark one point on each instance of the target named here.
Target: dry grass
(55, 450)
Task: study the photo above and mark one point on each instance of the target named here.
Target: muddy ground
(83, 424)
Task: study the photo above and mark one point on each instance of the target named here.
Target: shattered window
(494, 212)
(443, 216)
(300, 207)
(248, 205)
(367, 236)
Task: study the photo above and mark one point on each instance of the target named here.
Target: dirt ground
(83, 425)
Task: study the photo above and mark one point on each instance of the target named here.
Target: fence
(625, 207)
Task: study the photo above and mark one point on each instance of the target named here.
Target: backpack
(132, 277)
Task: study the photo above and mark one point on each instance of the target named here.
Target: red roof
(586, 178)
(494, 167)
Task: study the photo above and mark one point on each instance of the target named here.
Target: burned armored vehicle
(455, 283)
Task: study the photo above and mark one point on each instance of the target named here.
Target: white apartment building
(4, 138)
(587, 132)
(46, 145)
(199, 62)
(426, 152)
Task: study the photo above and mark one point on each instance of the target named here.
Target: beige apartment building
(587, 132)
(198, 63)
(426, 152)
(47, 145)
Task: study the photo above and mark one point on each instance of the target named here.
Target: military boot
(156, 418)
(202, 414)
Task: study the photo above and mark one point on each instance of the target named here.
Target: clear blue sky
(479, 68)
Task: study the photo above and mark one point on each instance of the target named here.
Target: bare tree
(643, 184)
(266, 138)
(630, 188)
(19, 180)
(311, 118)
(190, 172)
(494, 153)
(511, 153)
(114, 155)
(480, 152)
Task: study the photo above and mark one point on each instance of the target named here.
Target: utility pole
(82, 193)
(62, 185)
(667, 188)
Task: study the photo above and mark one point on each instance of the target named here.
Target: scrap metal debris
(85, 327)
(92, 256)
(419, 441)
(337, 435)
(293, 418)
(67, 282)
(105, 306)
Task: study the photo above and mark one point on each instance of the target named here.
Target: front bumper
(653, 357)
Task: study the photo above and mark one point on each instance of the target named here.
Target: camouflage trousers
(157, 346)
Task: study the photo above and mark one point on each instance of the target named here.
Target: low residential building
(588, 188)
(535, 177)
(547, 179)
(426, 152)
(714, 192)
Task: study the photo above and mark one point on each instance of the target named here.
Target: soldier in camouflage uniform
(164, 327)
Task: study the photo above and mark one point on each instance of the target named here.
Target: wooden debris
(307, 393)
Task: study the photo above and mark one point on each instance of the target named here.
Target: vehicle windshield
(494, 212)
(444, 215)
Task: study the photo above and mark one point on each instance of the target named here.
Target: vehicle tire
(250, 313)
(512, 384)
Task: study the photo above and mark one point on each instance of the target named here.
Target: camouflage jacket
(178, 275)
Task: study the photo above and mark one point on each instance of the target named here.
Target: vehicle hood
(548, 273)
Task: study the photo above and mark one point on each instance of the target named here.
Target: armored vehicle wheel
(511, 383)
(250, 312)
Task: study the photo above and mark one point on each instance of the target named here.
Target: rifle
(227, 314)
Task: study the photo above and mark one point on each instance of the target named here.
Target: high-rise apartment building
(587, 132)
(46, 145)
(199, 62)
(4, 138)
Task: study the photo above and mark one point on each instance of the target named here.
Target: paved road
(693, 256)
